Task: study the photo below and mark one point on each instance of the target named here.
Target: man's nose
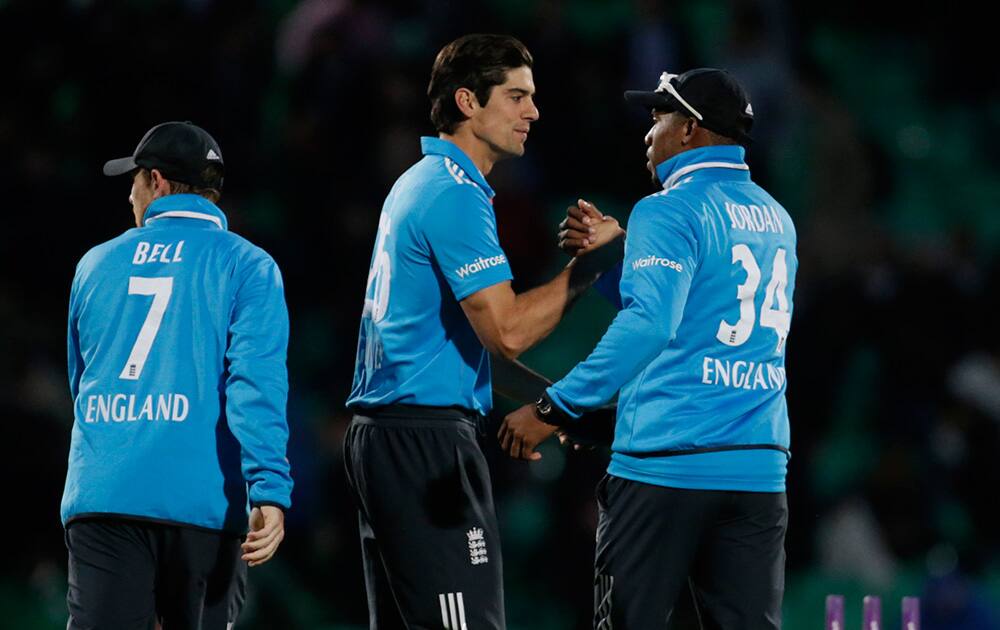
(532, 113)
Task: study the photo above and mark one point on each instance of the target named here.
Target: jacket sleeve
(660, 259)
(608, 285)
(257, 383)
(74, 357)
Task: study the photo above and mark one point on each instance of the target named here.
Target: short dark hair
(477, 62)
(211, 174)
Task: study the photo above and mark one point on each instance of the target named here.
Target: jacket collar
(719, 156)
(185, 206)
(450, 150)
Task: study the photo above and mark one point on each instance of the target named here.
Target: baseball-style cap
(180, 150)
(714, 97)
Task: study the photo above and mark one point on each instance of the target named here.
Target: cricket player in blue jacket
(438, 302)
(695, 487)
(177, 340)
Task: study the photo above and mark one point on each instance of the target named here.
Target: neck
(478, 151)
(710, 153)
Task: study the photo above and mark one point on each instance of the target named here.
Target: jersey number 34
(778, 318)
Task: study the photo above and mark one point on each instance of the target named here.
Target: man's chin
(516, 150)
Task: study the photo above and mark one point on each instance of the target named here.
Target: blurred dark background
(877, 128)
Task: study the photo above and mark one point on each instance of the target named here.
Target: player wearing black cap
(176, 345)
(695, 491)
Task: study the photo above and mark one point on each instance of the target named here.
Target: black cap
(179, 150)
(714, 97)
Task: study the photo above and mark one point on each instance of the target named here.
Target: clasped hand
(585, 229)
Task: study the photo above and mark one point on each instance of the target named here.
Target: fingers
(517, 448)
(265, 531)
(265, 553)
(504, 436)
(590, 209)
(584, 226)
(258, 539)
(261, 550)
(569, 240)
(515, 445)
(526, 450)
(578, 231)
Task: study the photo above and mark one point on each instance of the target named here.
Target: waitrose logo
(656, 261)
(479, 264)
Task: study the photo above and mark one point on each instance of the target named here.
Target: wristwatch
(550, 413)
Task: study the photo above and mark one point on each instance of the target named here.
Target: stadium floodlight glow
(668, 87)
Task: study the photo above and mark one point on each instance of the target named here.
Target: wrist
(549, 412)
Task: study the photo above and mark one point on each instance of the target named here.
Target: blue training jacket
(698, 348)
(178, 334)
(436, 245)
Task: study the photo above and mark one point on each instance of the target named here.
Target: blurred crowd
(874, 128)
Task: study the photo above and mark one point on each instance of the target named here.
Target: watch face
(544, 407)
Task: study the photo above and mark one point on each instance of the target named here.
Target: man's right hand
(585, 229)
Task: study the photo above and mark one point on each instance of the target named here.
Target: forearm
(535, 313)
(507, 324)
(634, 339)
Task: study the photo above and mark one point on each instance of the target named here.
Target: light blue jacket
(698, 349)
(177, 340)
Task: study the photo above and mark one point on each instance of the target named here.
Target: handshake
(523, 430)
(595, 242)
(585, 229)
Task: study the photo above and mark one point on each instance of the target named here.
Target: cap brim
(120, 166)
(649, 100)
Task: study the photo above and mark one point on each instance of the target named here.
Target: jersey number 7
(160, 289)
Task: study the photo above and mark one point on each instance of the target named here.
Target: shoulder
(98, 254)
(245, 254)
(664, 208)
(452, 199)
(436, 186)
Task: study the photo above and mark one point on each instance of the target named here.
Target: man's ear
(690, 126)
(466, 101)
(161, 186)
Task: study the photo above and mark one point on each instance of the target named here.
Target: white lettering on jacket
(157, 252)
(132, 407)
(655, 261)
(479, 264)
(754, 218)
(741, 374)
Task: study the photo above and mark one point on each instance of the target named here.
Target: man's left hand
(267, 530)
(522, 431)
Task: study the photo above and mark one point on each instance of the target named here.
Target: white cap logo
(212, 155)
(749, 110)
